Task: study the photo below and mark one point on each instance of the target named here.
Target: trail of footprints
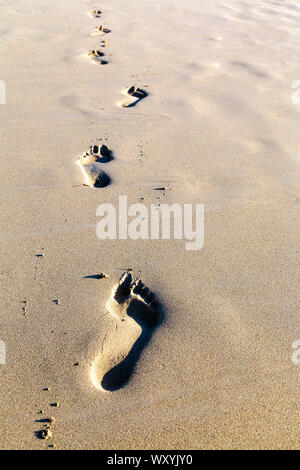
(91, 162)
(95, 54)
(132, 306)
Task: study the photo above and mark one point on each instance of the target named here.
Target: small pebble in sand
(163, 188)
(103, 276)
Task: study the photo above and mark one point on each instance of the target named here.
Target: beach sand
(218, 127)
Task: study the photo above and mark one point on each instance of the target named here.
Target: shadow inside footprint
(102, 180)
(149, 319)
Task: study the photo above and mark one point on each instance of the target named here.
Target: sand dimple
(90, 164)
(137, 313)
(134, 94)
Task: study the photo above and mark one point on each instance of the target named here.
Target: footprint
(100, 30)
(90, 164)
(96, 13)
(137, 313)
(136, 94)
(96, 55)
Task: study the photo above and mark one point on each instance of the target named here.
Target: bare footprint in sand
(100, 30)
(90, 164)
(96, 55)
(136, 94)
(137, 313)
(96, 13)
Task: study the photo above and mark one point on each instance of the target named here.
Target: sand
(217, 126)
